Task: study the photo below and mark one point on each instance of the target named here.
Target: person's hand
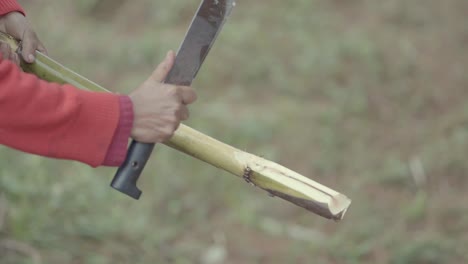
(16, 25)
(158, 107)
(8, 53)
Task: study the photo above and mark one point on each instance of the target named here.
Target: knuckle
(183, 112)
(190, 94)
(173, 119)
(176, 112)
(179, 107)
(168, 132)
(34, 36)
(175, 127)
(194, 95)
(172, 90)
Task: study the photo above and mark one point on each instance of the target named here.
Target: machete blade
(202, 33)
(205, 27)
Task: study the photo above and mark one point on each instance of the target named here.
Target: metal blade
(204, 29)
(201, 35)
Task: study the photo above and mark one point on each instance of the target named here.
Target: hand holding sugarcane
(17, 25)
(158, 107)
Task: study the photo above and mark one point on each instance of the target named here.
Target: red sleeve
(55, 120)
(7, 6)
(118, 148)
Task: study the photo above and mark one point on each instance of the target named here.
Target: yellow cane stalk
(275, 179)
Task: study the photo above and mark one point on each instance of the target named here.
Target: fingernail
(30, 58)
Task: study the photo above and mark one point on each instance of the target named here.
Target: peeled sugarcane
(267, 175)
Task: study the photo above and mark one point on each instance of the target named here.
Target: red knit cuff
(7, 6)
(118, 148)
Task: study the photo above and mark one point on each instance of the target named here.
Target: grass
(351, 93)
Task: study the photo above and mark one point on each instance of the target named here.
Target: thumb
(30, 44)
(163, 68)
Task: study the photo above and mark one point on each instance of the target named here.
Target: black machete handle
(201, 35)
(127, 175)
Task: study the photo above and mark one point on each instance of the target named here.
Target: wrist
(118, 148)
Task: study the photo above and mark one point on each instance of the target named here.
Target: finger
(188, 94)
(163, 68)
(183, 113)
(30, 44)
(41, 48)
(8, 54)
(15, 58)
(5, 50)
(12, 55)
(2, 49)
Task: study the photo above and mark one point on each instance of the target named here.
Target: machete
(205, 27)
(276, 180)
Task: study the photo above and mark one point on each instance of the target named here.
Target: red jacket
(61, 121)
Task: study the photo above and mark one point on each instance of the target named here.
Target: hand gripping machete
(205, 27)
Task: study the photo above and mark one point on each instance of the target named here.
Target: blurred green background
(367, 97)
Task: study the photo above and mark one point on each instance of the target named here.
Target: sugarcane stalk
(275, 179)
